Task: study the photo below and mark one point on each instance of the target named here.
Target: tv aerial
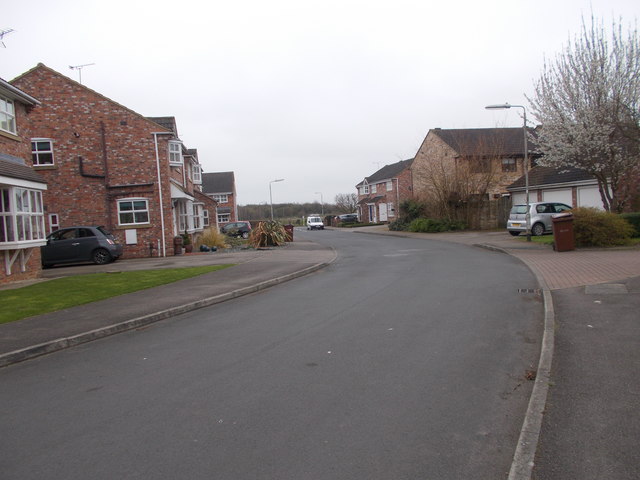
(79, 68)
(4, 32)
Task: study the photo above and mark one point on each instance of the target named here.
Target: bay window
(21, 215)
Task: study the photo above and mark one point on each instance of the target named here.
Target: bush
(595, 228)
(398, 226)
(430, 225)
(634, 220)
(268, 234)
(211, 237)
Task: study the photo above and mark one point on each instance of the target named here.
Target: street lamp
(270, 196)
(321, 202)
(526, 158)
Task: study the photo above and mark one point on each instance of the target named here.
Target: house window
(54, 222)
(364, 190)
(175, 153)
(389, 185)
(133, 211)
(224, 217)
(374, 188)
(205, 217)
(221, 198)
(198, 216)
(21, 215)
(391, 210)
(480, 165)
(7, 115)
(197, 174)
(42, 151)
(509, 165)
(183, 216)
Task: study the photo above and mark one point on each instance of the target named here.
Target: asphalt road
(404, 359)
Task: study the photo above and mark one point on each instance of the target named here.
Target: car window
(562, 208)
(65, 234)
(519, 209)
(85, 232)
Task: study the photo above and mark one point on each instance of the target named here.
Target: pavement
(591, 299)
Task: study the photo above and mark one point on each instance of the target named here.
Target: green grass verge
(542, 239)
(53, 295)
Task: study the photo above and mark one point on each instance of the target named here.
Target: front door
(372, 213)
(382, 208)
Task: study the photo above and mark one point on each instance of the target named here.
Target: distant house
(22, 229)
(570, 185)
(108, 165)
(380, 194)
(221, 187)
(471, 166)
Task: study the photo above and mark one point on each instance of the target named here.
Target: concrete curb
(62, 343)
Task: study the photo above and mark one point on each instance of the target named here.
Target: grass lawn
(542, 239)
(53, 295)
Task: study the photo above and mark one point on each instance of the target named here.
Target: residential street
(402, 359)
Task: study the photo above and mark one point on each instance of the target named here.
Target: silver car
(541, 214)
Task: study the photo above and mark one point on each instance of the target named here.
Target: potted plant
(186, 242)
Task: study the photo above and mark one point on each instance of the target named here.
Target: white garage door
(520, 198)
(560, 195)
(589, 197)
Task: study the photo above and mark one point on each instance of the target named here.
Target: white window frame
(35, 153)
(54, 222)
(205, 217)
(224, 218)
(135, 212)
(21, 215)
(365, 189)
(198, 216)
(389, 185)
(197, 174)
(175, 153)
(8, 115)
(374, 188)
(221, 197)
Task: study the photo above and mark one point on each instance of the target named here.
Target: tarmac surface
(585, 426)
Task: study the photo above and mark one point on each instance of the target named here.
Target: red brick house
(108, 165)
(221, 186)
(380, 194)
(470, 169)
(22, 229)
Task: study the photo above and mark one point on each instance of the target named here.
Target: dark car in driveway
(80, 244)
(237, 229)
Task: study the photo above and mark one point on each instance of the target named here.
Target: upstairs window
(197, 174)
(175, 153)
(374, 188)
(221, 198)
(42, 151)
(389, 185)
(509, 165)
(364, 190)
(7, 115)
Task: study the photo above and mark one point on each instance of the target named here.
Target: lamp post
(321, 202)
(526, 158)
(270, 196)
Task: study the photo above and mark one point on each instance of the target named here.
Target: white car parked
(315, 223)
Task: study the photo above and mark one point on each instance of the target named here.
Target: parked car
(237, 229)
(314, 223)
(541, 214)
(80, 244)
(348, 218)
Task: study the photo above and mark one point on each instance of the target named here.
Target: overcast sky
(320, 93)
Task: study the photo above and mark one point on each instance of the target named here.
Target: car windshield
(104, 231)
(314, 219)
(519, 209)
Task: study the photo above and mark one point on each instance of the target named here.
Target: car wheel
(245, 235)
(537, 229)
(101, 256)
(514, 233)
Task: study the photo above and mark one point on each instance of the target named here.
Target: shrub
(595, 228)
(398, 226)
(634, 220)
(211, 237)
(430, 225)
(268, 234)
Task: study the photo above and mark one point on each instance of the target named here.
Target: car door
(87, 242)
(545, 211)
(61, 246)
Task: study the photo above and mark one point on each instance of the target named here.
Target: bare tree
(587, 101)
(346, 202)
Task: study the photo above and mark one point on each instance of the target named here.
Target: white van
(314, 223)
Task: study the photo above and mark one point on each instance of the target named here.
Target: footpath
(582, 420)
